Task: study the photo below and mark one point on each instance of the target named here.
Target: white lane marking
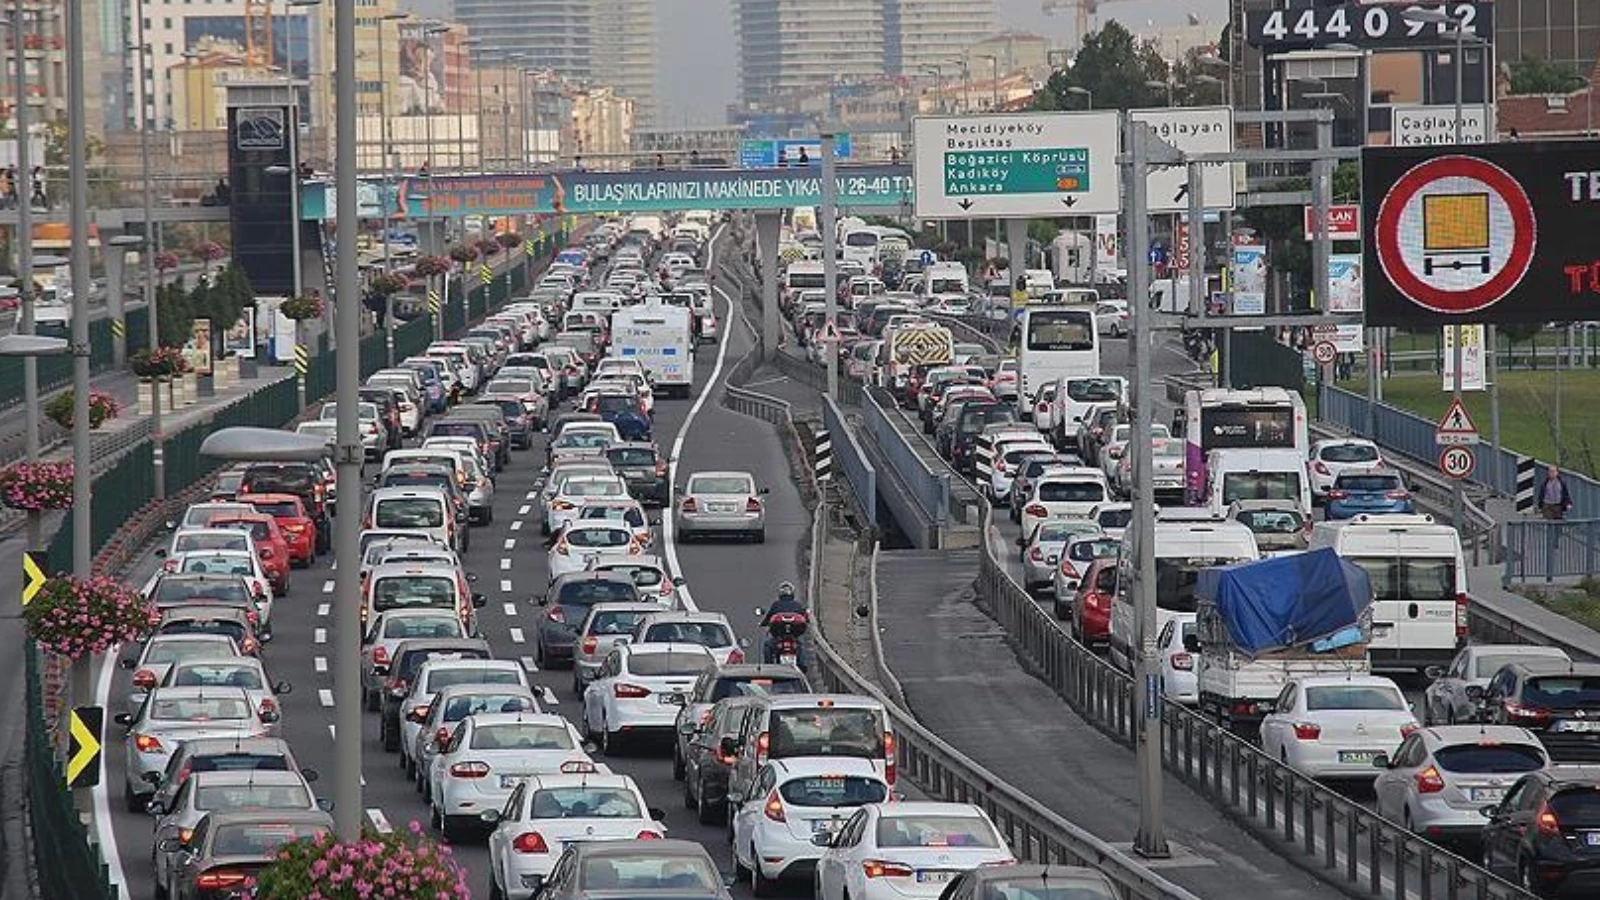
(378, 821)
(516, 526)
(335, 565)
(505, 565)
(511, 543)
(505, 585)
(528, 665)
(325, 697)
(324, 608)
(532, 495)
(105, 833)
(525, 508)
(668, 537)
(320, 663)
(517, 636)
(332, 731)
(327, 586)
(510, 608)
(320, 636)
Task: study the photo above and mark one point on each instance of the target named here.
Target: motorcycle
(784, 633)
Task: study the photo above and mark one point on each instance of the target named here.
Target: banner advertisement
(1344, 283)
(198, 349)
(421, 67)
(1472, 343)
(1248, 275)
(1105, 243)
(240, 340)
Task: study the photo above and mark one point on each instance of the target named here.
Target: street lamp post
(25, 261)
(473, 43)
(388, 185)
(994, 80)
(1085, 93)
(296, 278)
(938, 85)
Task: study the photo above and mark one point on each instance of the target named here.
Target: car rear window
(282, 508)
(422, 627)
(1071, 491)
(443, 678)
(521, 736)
(756, 686)
(615, 621)
(252, 796)
(1488, 758)
(833, 790)
(935, 831)
(1272, 521)
(668, 664)
(235, 630)
(407, 512)
(588, 593)
(164, 652)
(706, 634)
(460, 707)
(631, 456)
(279, 481)
(1349, 453)
(1354, 696)
(1087, 551)
(220, 675)
(238, 762)
(826, 731)
(199, 708)
(1373, 483)
(1093, 390)
(720, 485)
(1577, 807)
(1563, 690)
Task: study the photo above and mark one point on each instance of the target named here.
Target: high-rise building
(546, 34)
(623, 42)
(789, 46)
(932, 34)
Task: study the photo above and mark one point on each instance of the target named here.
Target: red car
(270, 546)
(299, 529)
(1091, 609)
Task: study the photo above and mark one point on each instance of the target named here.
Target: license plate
(825, 826)
(723, 507)
(925, 876)
(786, 659)
(1357, 756)
(1592, 838)
(1570, 726)
(1488, 795)
(671, 699)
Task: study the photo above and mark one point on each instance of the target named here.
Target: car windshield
(459, 708)
(394, 591)
(258, 529)
(439, 679)
(218, 675)
(409, 512)
(826, 731)
(1056, 532)
(631, 456)
(1260, 486)
(591, 537)
(1490, 758)
(1088, 551)
(585, 802)
(281, 508)
(721, 485)
(1272, 521)
(614, 403)
(251, 796)
(415, 478)
(756, 686)
(509, 386)
(667, 665)
(583, 440)
(675, 872)
(1562, 691)
(260, 839)
(1369, 484)
(1071, 491)
(521, 736)
(199, 709)
(590, 592)
(833, 790)
(935, 831)
(706, 634)
(167, 652)
(1354, 696)
(422, 627)
(1349, 453)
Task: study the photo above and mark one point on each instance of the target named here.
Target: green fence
(56, 371)
(67, 863)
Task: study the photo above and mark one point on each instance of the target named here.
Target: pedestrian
(1554, 498)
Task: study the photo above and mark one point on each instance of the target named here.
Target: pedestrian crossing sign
(1456, 427)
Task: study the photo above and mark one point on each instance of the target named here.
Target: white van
(1256, 474)
(426, 511)
(944, 278)
(1074, 395)
(1186, 541)
(1419, 584)
(603, 302)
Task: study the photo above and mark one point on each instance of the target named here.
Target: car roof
(454, 690)
(1555, 665)
(514, 718)
(663, 648)
(259, 745)
(246, 777)
(202, 611)
(908, 808)
(639, 606)
(1354, 679)
(184, 638)
(641, 849)
(270, 817)
(684, 615)
(566, 578)
(199, 693)
(808, 701)
(408, 493)
(1437, 735)
(388, 569)
(443, 645)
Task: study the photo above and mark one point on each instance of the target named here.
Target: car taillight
(1396, 495)
(144, 678)
(380, 655)
(774, 808)
(556, 614)
(1408, 730)
(441, 736)
(736, 657)
(1036, 509)
(253, 617)
(762, 743)
(1307, 731)
(634, 691)
(1068, 569)
(212, 881)
(1036, 554)
(469, 769)
(562, 506)
(1429, 781)
(145, 743)
(689, 505)
(889, 768)
(1114, 452)
(590, 644)
(1517, 714)
(530, 842)
(562, 547)
(184, 834)
(1547, 822)
(170, 565)
(1338, 495)
(877, 868)
(266, 552)
(1461, 615)
(1183, 662)
(661, 468)
(294, 527)
(647, 835)
(268, 711)
(752, 505)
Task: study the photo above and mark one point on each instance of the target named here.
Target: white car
(1334, 726)
(1329, 459)
(439, 673)
(1111, 318)
(708, 629)
(649, 574)
(546, 812)
(1042, 550)
(1008, 453)
(624, 513)
(906, 851)
(488, 755)
(639, 689)
(242, 563)
(1116, 445)
(163, 651)
(1112, 517)
(557, 479)
(245, 672)
(583, 543)
(1071, 492)
(386, 631)
(577, 490)
(792, 802)
(1179, 683)
(449, 707)
(191, 540)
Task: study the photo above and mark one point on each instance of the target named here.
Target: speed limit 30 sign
(1457, 462)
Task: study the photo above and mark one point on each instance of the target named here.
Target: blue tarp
(1286, 601)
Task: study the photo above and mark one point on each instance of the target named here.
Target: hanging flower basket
(464, 253)
(388, 283)
(166, 261)
(376, 866)
(37, 485)
(488, 247)
(430, 266)
(301, 308)
(208, 251)
(162, 362)
(509, 240)
(78, 617)
(102, 408)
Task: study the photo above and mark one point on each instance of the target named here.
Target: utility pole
(830, 264)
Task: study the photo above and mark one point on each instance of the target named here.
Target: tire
(689, 801)
(705, 813)
(610, 742)
(133, 802)
(678, 768)
(494, 890)
(454, 828)
(760, 885)
(374, 700)
(389, 736)
(760, 537)
(1525, 879)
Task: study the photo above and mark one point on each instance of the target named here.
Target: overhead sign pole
(830, 262)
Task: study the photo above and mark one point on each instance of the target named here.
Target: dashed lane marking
(505, 565)
(320, 636)
(327, 586)
(320, 663)
(528, 665)
(517, 637)
(524, 509)
(510, 608)
(517, 525)
(511, 543)
(325, 697)
(324, 608)
(505, 585)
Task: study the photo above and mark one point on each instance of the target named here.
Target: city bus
(1265, 418)
(1054, 342)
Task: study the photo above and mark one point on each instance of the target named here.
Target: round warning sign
(1324, 352)
(1457, 462)
(1455, 234)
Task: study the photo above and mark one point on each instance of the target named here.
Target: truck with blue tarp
(1259, 624)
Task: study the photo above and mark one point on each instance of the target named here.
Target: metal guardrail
(1033, 833)
(1540, 548)
(816, 377)
(850, 460)
(1345, 842)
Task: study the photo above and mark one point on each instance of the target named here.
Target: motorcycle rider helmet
(786, 591)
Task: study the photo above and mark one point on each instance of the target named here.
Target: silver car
(606, 625)
(220, 791)
(558, 476)
(1076, 558)
(1453, 696)
(238, 671)
(1440, 778)
(387, 630)
(722, 504)
(1042, 550)
(161, 652)
(171, 716)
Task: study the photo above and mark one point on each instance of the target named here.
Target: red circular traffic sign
(1324, 352)
(1455, 234)
(1457, 462)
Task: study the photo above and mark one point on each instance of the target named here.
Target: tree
(175, 313)
(1537, 76)
(1113, 67)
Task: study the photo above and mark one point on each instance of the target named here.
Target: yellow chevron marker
(83, 747)
(33, 577)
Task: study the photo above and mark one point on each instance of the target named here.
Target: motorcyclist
(773, 620)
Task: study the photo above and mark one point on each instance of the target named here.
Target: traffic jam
(545, 753)
(1304, 600)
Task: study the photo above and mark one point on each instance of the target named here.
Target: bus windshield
(1061, 330)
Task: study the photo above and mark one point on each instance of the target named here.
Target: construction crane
(1083, 9)
(258, 33)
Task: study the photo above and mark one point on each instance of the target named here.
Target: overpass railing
(850, 460)
(930, 489)
(1541, 548)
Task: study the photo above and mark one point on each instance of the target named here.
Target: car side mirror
(479, 601)
(169, 845)
(1022, 542)
(729, 746)
(489, 816)
(416, 716)
(1434, 672)
(1381, 761)
(1492, 812)
(156, 808)
(688, 728)
(660, 815)
(472, 576)
(123, 719)
(160, 553)
(324, 804)
(1475, 693)
(540, 600)
(310, 774)
(154, 778)
(129, 663)
(764, 491)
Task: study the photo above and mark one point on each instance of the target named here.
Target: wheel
(374, 701)
(488, 516)
(688, 796)
(760, 537)
(738, 867)
(495, 893)
(132, 801)
(454, 828)
(390, 737)
(705, 812)
(1525, 878)
(760, 885)
(610, 743)
(677, 763)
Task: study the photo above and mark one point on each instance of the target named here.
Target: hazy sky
(697, 53)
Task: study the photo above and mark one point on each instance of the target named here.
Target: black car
(1557, 700)
(1545, 834)
(404, 664)
(566, 606)
(304, 480)
(644, 469)
(971, 419)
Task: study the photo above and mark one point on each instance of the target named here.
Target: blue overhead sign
(770, 153)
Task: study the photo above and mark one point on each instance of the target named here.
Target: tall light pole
(384, 136)
(1085, 93)
(938, 85)
(24, 189)
(994, 80)
(347, 440)
(428, 32)
(147, 260)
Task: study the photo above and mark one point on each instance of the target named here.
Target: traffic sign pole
(830, 265)
(1458, 492)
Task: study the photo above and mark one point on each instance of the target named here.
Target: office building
(543, 34)
(919, 35)
(623, 38)
(1565, 32)
(787, 47)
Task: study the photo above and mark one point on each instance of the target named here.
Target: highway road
(509, 559)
